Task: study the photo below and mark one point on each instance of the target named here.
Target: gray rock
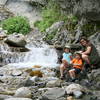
(94, 78)
(4, 13)
(97, 93)
(2, 97)
(54, 27)
(38, 2)
(72, 88)
(23, 92)
(53, 94)
(54, 83)
(18, 99)
(34, 79)
(24, 8)
(3, 33)
(77, 94)
(3, 2)
(16, 73)
(88, 8)
(95, 39)
(17, 40)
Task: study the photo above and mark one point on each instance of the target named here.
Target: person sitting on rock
(77, 66)
(67, 57)
(89, 53)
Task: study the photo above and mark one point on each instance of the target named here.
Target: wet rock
(53, 94)
(18, 99)
(16, 40)
(23, 92)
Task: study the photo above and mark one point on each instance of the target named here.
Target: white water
(43, 56)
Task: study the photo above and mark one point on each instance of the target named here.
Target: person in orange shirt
(77, 64)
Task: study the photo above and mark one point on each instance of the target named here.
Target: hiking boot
(73, 80)
(61, 77)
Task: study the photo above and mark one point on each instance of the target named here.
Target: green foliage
(50, 36)
(90, 28)
(16, 24)
(50, 14)
(71, 22)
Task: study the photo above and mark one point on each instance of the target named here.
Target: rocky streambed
(28, 66)
(22, 80)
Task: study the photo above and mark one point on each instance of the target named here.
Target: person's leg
(63, 66)
(61, 70)
(86, 58)
(72, 73)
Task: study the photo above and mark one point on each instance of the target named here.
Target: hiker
(67, 57)
(77, 66)
(89, 53)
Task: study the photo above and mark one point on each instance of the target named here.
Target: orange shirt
(77, 61)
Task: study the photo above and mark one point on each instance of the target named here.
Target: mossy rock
(36, 73)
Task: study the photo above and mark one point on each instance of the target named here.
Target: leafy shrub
(16, 24)
(51, 14)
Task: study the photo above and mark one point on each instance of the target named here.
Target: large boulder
(16, 40)
(75, 89)
(95, 39)
(57, 35)
(53, 94)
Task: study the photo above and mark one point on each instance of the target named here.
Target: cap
(67, 46)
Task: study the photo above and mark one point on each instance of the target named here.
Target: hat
(67, 46)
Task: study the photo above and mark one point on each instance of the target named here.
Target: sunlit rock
(23, 92)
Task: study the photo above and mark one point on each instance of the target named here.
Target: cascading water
(42, 55)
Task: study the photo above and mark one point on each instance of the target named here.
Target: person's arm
(88, 51)
(71, 57)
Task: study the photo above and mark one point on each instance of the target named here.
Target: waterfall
(42, 55)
